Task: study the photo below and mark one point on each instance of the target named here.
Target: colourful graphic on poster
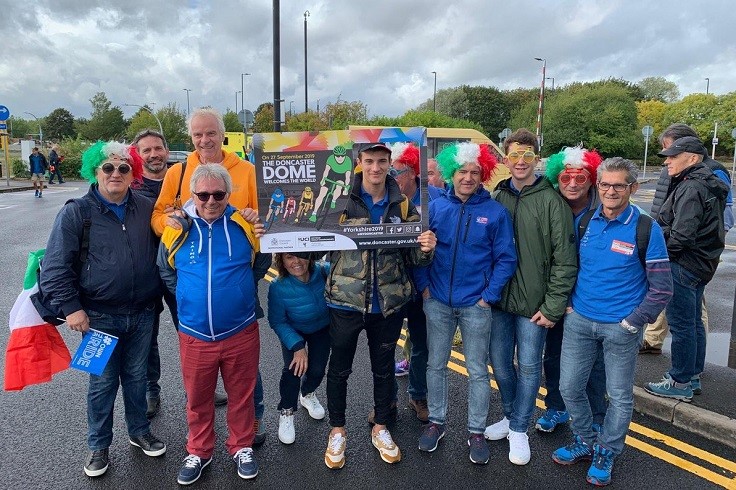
(305, 181)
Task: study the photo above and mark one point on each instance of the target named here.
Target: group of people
(512, 269)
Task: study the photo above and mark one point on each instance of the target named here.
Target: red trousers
(236, 358)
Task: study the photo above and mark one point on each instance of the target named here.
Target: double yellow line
(726, 480)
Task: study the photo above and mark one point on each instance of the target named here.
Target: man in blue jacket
(38, 166)
(475, 258)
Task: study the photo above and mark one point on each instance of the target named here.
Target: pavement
(18, 185)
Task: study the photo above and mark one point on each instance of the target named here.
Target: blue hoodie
(475, 255)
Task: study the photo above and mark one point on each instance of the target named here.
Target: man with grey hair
(618, 290)
(693, 224)
(207, 263)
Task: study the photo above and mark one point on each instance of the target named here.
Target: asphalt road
(44, 426)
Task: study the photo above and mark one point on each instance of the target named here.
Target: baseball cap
(373, 146)
(689, 144)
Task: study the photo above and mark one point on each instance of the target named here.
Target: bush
(20, 169)
(72, 150)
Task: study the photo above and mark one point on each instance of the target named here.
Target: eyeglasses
(565, 179)
(516, 156)
(604, 186)
(394, 172)
(205, 196)
(108, 168)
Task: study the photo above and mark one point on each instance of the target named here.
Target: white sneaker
(497, 431)
(386, 446)
(335, 454)
(286, 426)
(519, 452)
(313, 406)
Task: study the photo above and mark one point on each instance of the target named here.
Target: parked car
(176, 156)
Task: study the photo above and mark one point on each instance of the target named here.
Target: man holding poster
(367, 290)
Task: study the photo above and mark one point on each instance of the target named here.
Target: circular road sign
(4, 113)
(647, 131)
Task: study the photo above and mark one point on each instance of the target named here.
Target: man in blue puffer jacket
(474, 259)
(207, 264)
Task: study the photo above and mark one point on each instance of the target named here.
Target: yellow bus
(439, 138)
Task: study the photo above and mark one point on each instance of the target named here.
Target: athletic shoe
(479, 452)
(386, 446)
(497, 431)
(576, 451)
(97, 462)
(669, 388)
(551, 419)
(313, 406)
(286, 426)
(599, 473)
(246, 463)
(191, 470)
(648, 348)
(150, 444)
(36, 195)
(695, 384)
(335, 453)
(430, 437)
(519, 452)
(401, 368)
(260, 433)
(421, 409)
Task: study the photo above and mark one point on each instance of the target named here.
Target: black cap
(689, 144)
(373, 146)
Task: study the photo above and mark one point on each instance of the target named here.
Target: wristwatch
(629, 327)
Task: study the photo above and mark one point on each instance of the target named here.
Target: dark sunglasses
(108, 168)
(205, 196)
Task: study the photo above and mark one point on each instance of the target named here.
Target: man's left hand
(250, 215)
(542, 320)
(427, 241)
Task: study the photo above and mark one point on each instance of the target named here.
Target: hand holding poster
(305, 181)
(94, 352)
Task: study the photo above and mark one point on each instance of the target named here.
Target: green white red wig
(95, 155)
(456, 156)
(575, 158)
(406, 153)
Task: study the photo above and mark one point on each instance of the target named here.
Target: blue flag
(94, 352)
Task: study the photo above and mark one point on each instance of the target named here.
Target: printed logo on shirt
(622, 247)
(481, 220)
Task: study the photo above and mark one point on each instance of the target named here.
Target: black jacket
(663, 184)
(120, 274)
(691, 218)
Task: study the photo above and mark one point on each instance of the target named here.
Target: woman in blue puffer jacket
(297, 312)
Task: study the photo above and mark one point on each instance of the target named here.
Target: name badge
(622, 247)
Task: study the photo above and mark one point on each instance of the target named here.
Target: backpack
(41, 301)
(643, 231)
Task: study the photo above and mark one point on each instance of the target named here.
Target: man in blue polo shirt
(614, 297)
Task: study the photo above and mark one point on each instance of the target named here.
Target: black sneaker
(246, 463)
(479, 452)
(220, 399)
(191, 470)
(150, 445)
(97, 462)
(154, 405)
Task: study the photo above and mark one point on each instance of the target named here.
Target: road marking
(654, 451)
(8, 206)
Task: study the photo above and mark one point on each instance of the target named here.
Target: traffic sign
(647, 131)
(4, 113)
(248, 116)
(3, 126)
(504, 134)
(733, 133)
(715, 140)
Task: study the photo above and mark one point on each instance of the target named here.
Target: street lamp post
(40, 129)
(160, 128)
(434, 97)
(306, 103)
(187, 90)
(291, 110)
(540, 110)
(707, 86)
(553, 81)
(242, 101)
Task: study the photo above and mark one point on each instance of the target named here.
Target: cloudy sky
(59, 53)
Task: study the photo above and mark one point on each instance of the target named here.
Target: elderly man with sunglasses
(112, 289)
(207, 263)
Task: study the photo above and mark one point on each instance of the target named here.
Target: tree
(343, 113)
(696, 110)
(651, 113)
(21, 128)
(263, 118)
(106, 123)
(140, 121)
(59, 125)
(174, 123)
(431, 119)
(231, 122)
(305, 121)
(451, 102)
(659, 88)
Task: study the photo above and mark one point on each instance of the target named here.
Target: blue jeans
(513, 333)
(475, 328)
(153, 390)
(318, 351)
(686, 324)
(581, 345)
(596, 387)
(126, 367)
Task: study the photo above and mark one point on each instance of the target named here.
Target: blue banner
(94, 352)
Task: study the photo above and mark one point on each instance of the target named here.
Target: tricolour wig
(95, 155)
(575, 157)
(453, 157)
(406, 153)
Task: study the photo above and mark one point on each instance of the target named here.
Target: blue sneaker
(669, 388)
(551, 418)
(191, 470)
(430, 437)
(401, 368)
(599, 473)
(577, 450)
(247, 465)
(695, 384)
(479, 452)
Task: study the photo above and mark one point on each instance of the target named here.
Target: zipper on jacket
(209, 279)
(454, 253)
(467, 228)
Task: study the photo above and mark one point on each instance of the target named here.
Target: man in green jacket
(536, 296)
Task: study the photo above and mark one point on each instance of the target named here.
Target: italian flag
(35, 350)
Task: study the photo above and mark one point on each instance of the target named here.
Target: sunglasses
(108, 168)
(205, 196)
(517, 156)
(579, 179)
